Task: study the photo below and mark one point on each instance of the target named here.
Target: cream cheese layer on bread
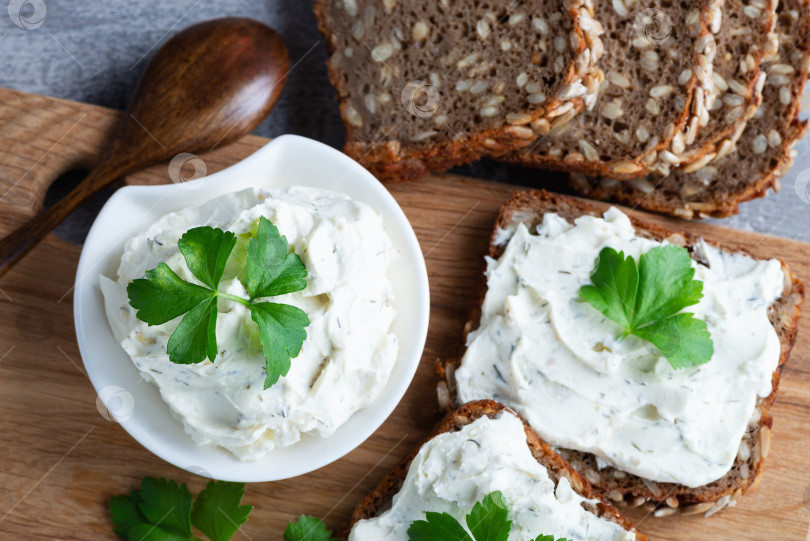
(349, 350)
(545, 352)
(455, 469)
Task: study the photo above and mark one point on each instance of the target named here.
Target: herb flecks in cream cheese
(456, 469)
(555, 359)
(349, 351)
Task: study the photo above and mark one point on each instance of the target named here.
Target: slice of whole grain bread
(375, 502)
(743, 39)
(425, 85)
(528, 207)
(716, 184)
(657, 90)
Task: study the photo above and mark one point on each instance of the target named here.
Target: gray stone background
(94, 51)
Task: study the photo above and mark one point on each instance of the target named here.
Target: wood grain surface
(61, 459)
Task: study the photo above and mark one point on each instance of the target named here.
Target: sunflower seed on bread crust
(658, 81)
(424, 85)
(763, 153)
(528, 207)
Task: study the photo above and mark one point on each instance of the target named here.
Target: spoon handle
(14, 246)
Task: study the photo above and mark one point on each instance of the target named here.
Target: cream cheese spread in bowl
(349, 351)
(551, 356)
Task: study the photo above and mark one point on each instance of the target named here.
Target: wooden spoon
(208, 86)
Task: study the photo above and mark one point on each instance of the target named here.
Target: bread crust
(374, 503)
(529, 206)
(394, 160)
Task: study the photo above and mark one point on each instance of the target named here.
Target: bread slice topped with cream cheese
(481, 448)
(690, 439)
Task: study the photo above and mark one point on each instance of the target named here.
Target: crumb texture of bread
(743, 37)
(715, 186)
(427, 84)
(380, 498)
(658, 83)
(529, 207)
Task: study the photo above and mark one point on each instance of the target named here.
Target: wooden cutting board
(61, 460)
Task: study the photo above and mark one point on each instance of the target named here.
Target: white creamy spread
(456, 469)
(349, 351)
(555, 359)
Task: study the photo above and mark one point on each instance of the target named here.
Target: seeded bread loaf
(658, 82)
(376, 502)
(762, 155)
(743, 39)
(528, 207)
(425, 85)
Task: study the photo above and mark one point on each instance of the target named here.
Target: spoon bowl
(206, 87)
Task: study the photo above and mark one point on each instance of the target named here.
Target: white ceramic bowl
(126, 398)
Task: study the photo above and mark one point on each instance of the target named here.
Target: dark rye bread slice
(658, 83)
(380, 498)
(528, 207)
(743, 39)
(763, 154)
(425, 85)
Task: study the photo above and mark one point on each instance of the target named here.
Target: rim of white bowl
(153, 426)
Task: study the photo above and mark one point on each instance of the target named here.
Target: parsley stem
(233, 298)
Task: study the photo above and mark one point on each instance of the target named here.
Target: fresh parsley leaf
(271, 268)
(125, 513)
(163, 296)
(216, 511)
(438, 527)
(308, 529)
(195, 337)
(165, 503)
(282, 329)
(162, 510)
(681, 338)
(206, 251)
(647, 299)
(549, 538)
(615, 285)
(148, 532)
(489, 520)
(159, 511)
(666, 284)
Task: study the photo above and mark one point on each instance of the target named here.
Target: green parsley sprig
(647, 299)
(308, 529)
(488, 521)
(271, 270)
(162, 510)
